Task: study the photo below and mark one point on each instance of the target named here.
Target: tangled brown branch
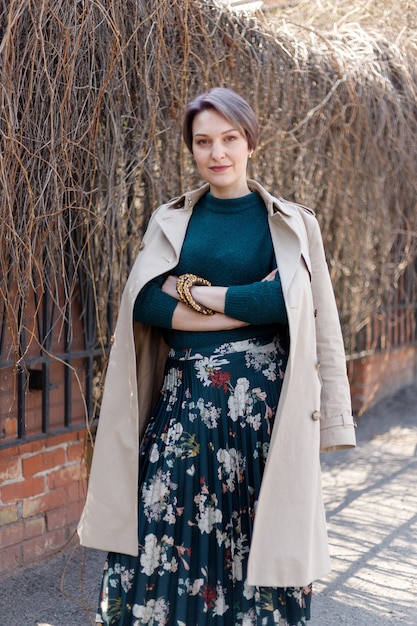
(92, 94)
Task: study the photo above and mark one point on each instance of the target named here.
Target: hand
(271, 275)
(170, 287)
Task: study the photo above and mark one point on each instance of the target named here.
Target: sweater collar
(273, 205)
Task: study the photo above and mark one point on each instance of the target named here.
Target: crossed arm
(213, 297)
(258, 303)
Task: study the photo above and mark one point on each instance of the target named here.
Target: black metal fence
(50, 375)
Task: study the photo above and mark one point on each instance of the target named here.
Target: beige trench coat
(289, 545)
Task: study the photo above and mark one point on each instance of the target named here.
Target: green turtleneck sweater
(228, 242)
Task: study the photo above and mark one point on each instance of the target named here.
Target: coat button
(316, 415)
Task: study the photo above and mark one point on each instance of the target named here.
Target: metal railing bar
(10, 443)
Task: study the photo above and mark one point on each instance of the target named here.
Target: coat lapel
(288, 235)
(173, 220)
(287, 246)
(173, 223)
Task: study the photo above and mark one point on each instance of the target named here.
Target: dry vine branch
(92, 95)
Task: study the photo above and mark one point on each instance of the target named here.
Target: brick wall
(379, 375)
(42, 482)
(42, 490)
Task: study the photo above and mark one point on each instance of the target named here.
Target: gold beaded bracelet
(184, 284)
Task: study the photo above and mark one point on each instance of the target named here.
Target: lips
(219, 168)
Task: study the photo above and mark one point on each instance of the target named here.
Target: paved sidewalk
(371, 503)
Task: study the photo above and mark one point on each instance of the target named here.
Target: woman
(219, 378)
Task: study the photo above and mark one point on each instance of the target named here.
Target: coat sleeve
(337, 426)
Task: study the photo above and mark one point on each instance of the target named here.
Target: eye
(201, 142)
(231, 138)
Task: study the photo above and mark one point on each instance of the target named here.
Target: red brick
(8, 514)
(43, 503)
(9, 467)
(22, 489)
(39, 547)
(46, 502)
(30, 447)
(64, 476)
(10, 535)
(59, 440)
(76, 451)
(57, 518)
(44, 461)
(64, 516)
(11, 558)
(34, 527)
(76, 491)
(50, 442)
(9, 427)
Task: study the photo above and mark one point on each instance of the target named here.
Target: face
(221, 154)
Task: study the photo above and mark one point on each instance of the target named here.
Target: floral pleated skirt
(201, 466)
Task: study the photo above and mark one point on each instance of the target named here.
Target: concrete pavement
(371, 503)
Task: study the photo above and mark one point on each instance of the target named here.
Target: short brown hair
(229, 104)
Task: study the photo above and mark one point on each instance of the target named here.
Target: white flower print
(249, 618)
(158, 488)
(149, 559)
(154, 454)
(114, 580)
(170, 513)
(225, 457)
(254, 421)
(155, 494)
(173, 434)
(220, 606)
(171, 566)
(238, 400)
(262, 449)
(259, 394)
(126, 577)
(231, 467)
(239, 549)
(191, 470)
(208, 515)
(196, 586)
(248, 590)
(206, 366)
(154, 613)
(155, 554)
(210, 415)
(172, 382)
(265, 360)
(270, 372)
(179, 443)
(242, 402)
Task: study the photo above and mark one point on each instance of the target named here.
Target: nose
(217, 151)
